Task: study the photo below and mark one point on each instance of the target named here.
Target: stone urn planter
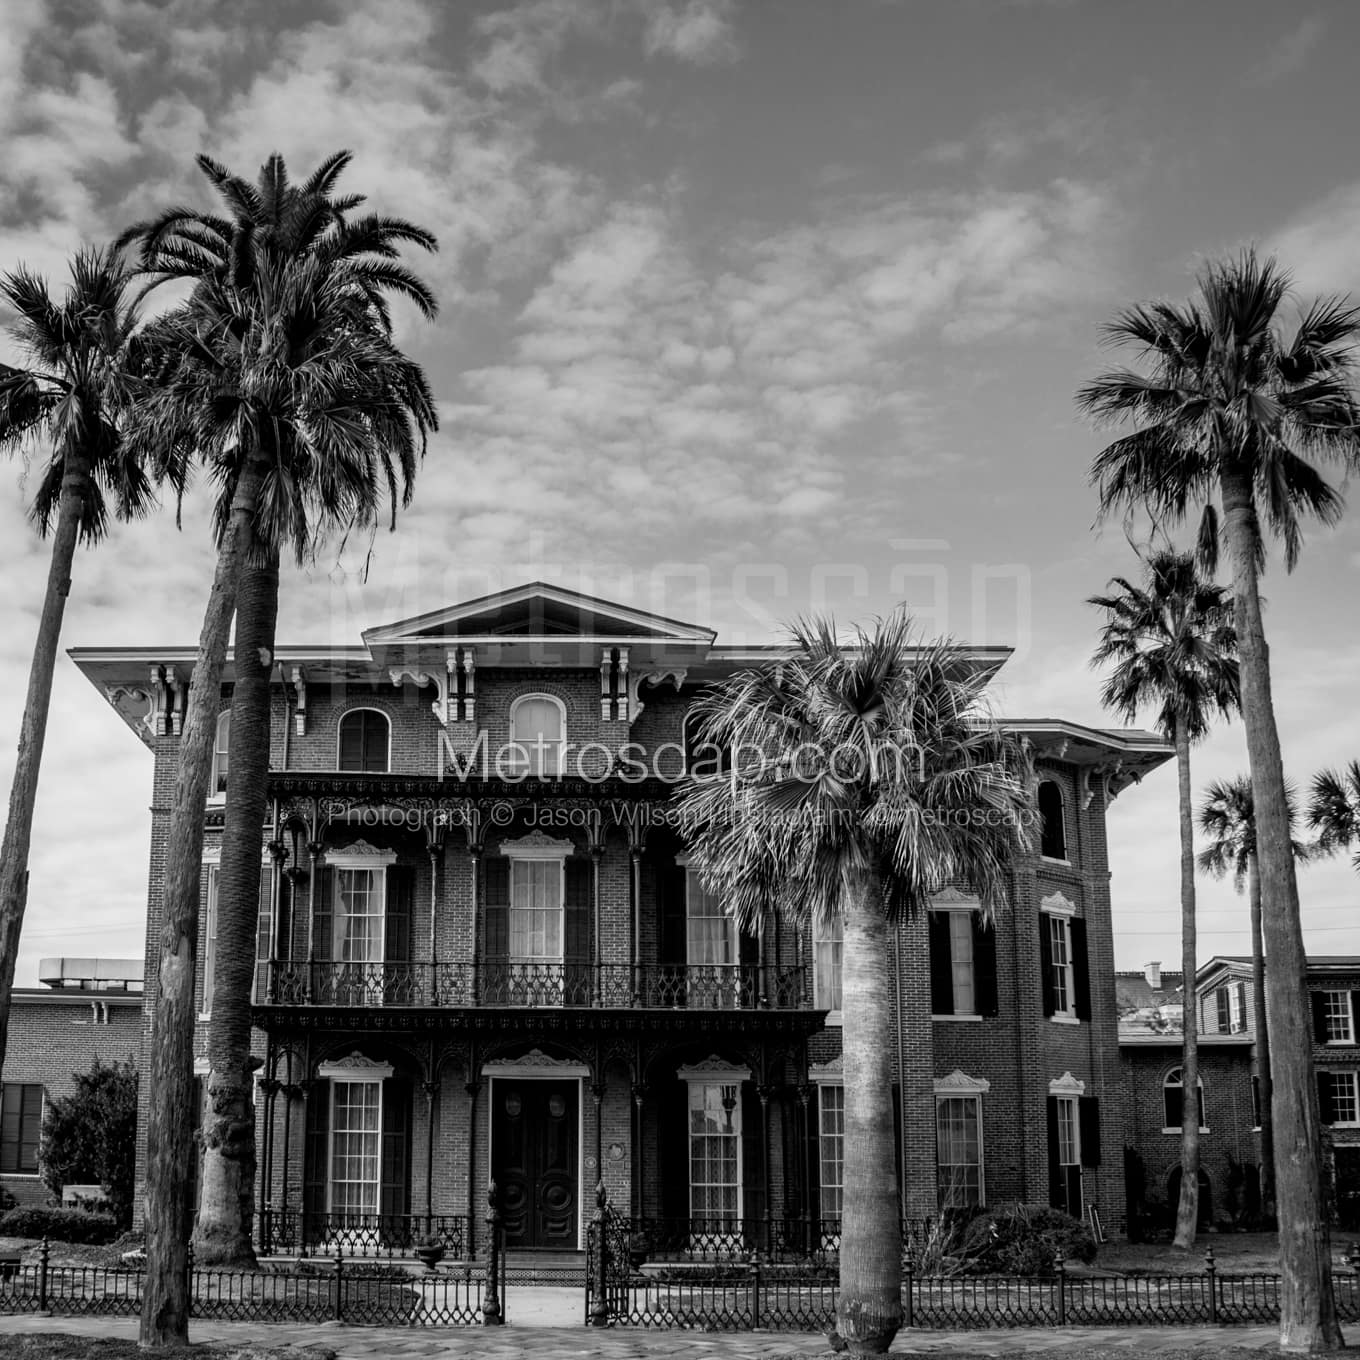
(430, 1252)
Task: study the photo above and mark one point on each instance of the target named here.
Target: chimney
(1153, 972)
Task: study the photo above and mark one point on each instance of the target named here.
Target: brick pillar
(916, 1073)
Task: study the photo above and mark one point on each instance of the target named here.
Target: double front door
(534, 1161)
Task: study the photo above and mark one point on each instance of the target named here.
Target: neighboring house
(1230, 1092)
(483, 953)
(85, 1009)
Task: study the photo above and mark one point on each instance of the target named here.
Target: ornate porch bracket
(419, 678)
(298, 679)
(675, 674)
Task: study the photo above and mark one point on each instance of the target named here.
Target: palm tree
(1334, 810)
(882, 779)
(308, 415)
(85, 354)
(1171, 646)
(1233, 417)
(1228, 821)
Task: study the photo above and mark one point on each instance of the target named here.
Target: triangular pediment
(537, 610)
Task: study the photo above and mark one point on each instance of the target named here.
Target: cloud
(1318, 245)
(700, 31)
(1289, 53)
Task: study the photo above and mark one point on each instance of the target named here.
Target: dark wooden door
(534, 1162)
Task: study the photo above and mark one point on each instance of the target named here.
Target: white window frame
(220, 768)
(1058, 909)
(835, 1139)
(1237, 1008)
(353, 1072)
(960, 909)
(537, 848)
(340, 722)
(828, 938)
(1168, 1084)
(1347, 1014)
(960, 1086)
(350, 858)
(714, 1074)
(551, 754)
(1351, 1076)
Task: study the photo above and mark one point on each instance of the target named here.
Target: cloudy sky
(748, 308)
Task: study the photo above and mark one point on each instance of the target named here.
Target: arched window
(538, 728)
(218, 787)
(364, 738)
(1052, 834)
(1173, 1101)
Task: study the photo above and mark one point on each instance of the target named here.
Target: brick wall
(53, 1036)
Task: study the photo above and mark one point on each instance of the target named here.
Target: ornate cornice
(958, 1082)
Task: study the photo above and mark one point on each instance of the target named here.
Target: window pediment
(959, 1083)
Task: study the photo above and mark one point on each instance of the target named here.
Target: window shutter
(941, 965)
(1088, 1117)
(401, 892)
(1355, 1017)
(1224, 1018)
(1326, 1098)
(394, 1195)
(674, 1150)
(1081, 970)
(315, 1161)
(1318, 1000)
(752, 1154)
(496, 895)
(323, 924)
(984, 966)
(578, 921)
(264, 944)
(670, 887)
(352, 741)
(1046, 963)
(1256, 1102)
(1057, 1195)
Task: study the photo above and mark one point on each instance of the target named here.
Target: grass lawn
(59, 1346)
(1234, 1254)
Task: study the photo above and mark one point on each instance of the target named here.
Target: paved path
(583, 1343)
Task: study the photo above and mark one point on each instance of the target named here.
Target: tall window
(1069, 1133)
(1237, 1008)
(538, 729)
(356, 1142)
(1337, 1020)
(710, 933)
(364, 737)
(218, 787)
(831, 1146)
(961, 958)
(1173, 1101)
(1060, 959)
(359, 915)
(958, 1150)
(827, 947)
(21, 1108)
(536, 910)
(1052, 833)
(1345, 1097)
(210, 939)
(714, 1152)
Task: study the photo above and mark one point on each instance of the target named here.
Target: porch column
(314, 852)
(640, 1182)
(431, 1089)
(764, 1091)
(472, 1087)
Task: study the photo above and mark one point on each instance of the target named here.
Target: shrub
(7, 1201)
(90, 1136)
(1025, 1239)
(62, 1225)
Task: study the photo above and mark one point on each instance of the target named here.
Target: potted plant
(430, 1250)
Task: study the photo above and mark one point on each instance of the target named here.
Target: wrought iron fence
(290, 1231)
(363, 1293)
(706, 987)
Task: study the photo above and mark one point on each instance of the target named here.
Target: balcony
(528, 986)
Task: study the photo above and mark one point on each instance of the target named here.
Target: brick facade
(449, 1049)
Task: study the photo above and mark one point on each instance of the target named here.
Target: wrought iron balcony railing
(700, 987)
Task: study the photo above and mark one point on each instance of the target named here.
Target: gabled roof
(536, 610)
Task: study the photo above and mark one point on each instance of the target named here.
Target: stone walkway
(562, 1343)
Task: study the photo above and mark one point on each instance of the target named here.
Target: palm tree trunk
(169, 1149)
(23, 795)
(222, 1234)
(1307, 1304)
(869, 1313)
(1187, 1211)
(1258, 1002)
